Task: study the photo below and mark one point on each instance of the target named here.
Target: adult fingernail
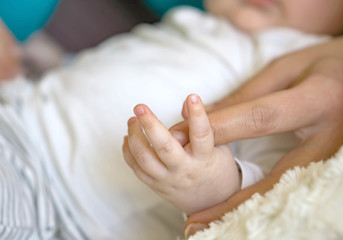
(193, 228)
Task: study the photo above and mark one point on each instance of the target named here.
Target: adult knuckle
(329, 76)
(277, 69)
(336, 89)
(329, 62)
(218, 130)
(329, 66)
(333, 100)
(278, 64)
(260, 118)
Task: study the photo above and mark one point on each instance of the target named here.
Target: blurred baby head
(315, 16)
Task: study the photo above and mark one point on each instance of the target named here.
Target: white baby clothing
(76, 116)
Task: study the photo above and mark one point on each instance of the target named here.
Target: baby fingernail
(139, 110)
(193, 228)
(194, 99)
(131, 121)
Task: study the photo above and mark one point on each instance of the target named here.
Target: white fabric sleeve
(250, 172)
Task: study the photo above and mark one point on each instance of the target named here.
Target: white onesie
(76, 116)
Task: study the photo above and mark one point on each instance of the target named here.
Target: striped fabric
(28, 209)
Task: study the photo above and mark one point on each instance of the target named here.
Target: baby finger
(142, 152)
(130, 160)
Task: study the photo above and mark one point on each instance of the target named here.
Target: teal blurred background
(50, 31)
(162, 6)
(24, 17)
(79, 24)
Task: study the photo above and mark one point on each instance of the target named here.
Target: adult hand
(301, 92)
(9, 54)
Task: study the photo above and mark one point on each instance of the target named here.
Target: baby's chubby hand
(193, 177)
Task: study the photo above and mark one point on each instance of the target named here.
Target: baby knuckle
(161, 190)
(129, 162)
(149, 124)
(134, 168)
(142, 176)
(202, 135)
(137, 171)
(140, 154)
(166, 148)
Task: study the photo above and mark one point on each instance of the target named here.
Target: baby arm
(192, 177)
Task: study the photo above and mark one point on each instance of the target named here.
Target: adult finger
(280, 74)
(166, 146)
(288, 110)
(200, 132)
(273, 78)
(311, 151)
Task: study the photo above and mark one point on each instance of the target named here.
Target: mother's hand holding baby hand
(301, 92)
(192, 177)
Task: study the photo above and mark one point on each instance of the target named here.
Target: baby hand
(192, 177)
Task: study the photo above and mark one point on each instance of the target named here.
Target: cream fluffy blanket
(307, 203)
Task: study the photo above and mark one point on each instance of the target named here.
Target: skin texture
(297, 90)
(314, 16)
(9, 54)
(295, 96)
(304, 98)
(193, 176)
